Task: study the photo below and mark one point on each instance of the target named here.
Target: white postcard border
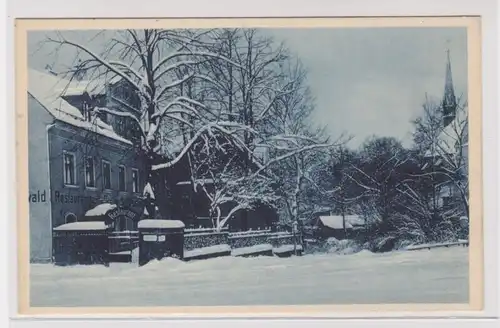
(259, 8)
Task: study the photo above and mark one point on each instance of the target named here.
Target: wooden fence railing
(464, 243)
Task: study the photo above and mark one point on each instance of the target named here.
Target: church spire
(449, 101)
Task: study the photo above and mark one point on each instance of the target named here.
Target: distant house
(333, 226)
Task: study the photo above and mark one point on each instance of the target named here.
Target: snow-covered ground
(436, 276)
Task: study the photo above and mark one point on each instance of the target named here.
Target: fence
(280, 239)
(117, 246)
(200, 230)
(204, 238)
(249, 238)
(244, 242)
(464, 243)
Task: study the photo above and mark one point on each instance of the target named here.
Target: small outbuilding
(338, 226)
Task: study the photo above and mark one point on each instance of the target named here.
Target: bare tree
(158, 64)
(290, 128)
(250, 94)
(382, 167)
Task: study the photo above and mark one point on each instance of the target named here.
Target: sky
(366, 81)
(374, 81)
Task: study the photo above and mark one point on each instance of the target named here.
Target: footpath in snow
(428, 276)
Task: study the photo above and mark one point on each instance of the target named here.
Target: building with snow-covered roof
(449, 153)
(338, 226)
(78, 158)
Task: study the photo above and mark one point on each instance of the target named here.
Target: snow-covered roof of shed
(160, 224)
(84, 225)
(337, 222)
(47, 90)
(100, 209)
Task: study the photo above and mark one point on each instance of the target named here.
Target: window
(69, 169)
(121, 178)
(89, 172)
(106, 175)
(70, 218)
(135, 180)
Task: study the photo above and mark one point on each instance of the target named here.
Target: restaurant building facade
(77, 159)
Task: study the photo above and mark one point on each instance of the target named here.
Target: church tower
(449, 103)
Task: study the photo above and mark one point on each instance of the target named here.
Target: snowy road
(437, 276)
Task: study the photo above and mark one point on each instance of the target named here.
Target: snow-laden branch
(233, 211)
(366, 175)
(122, 114)
(179, 119)
(290, 154)
(172, 67)
(218, 126)
(128, 68)
(294, 138)
(264, 112)
(191, 111)
(362, 185)
(174, 84)
(193, 54)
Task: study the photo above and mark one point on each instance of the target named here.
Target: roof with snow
(160, 224)
(100, 209)
(48, 90)
(95, 86)
(337, 221)
(85, 226)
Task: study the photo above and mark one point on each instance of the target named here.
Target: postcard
(246, 166)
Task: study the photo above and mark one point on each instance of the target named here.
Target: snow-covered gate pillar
(159, 239)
